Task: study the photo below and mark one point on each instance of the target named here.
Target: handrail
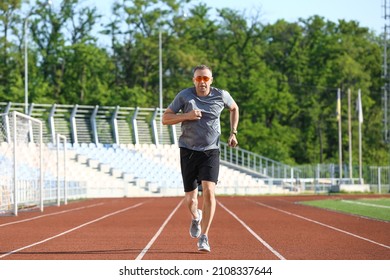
(256, 164)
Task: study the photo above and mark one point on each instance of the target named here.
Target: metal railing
(255, 164)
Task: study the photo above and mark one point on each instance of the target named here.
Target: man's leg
(209, 205)
(192, 203)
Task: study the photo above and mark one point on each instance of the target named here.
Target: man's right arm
(169, 117)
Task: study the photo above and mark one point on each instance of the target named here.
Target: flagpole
(360, 112)
(160, 84)
(340, 142)
(349, 135)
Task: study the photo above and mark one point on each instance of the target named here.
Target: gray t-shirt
(203, 134)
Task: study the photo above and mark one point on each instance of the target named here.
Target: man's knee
(191, 196)
(208, 189)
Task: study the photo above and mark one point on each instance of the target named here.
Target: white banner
(194, 269)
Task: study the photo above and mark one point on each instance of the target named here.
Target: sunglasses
(202, 78)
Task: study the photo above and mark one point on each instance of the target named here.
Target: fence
(380, 179)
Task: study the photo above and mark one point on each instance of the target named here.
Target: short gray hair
(202, 67)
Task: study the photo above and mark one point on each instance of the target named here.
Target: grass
(377, 208)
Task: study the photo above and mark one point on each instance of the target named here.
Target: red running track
(244, 228)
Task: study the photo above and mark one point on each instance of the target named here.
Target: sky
(369, 13)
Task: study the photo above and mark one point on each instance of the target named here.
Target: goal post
(33, 174)
(21, 163)
(6, 171)
(28, 188)
(65, 186)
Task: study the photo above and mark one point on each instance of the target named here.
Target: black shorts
(198, 166)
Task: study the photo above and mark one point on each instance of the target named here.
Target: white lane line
(365, 204)
(276, 253)
(70, 230)
(325, 225)
(146, 249)
(51, 214)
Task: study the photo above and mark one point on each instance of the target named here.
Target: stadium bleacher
(120, 152)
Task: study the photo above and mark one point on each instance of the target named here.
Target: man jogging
(198, 109)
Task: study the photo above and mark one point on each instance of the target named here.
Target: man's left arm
(234, 118)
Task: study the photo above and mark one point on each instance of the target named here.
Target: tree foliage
(284, 76)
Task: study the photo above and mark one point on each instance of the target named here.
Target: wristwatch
(233, 132)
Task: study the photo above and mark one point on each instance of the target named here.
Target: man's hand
(170, 117)
(194, 115)
(232, 142)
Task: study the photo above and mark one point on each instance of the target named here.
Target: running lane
(229, 239)
(301, 232)
(113, 229)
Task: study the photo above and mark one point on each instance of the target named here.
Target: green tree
(284, 76)
(11, 82)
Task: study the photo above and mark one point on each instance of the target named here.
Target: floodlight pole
(26, 65)
(26, 59)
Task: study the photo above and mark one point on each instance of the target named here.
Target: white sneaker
(203, 243)
(195, 225)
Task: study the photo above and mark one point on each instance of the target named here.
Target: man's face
(202, 80)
